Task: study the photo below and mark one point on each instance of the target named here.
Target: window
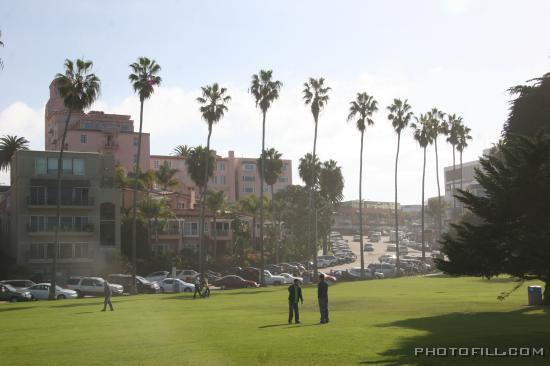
(190, 228)
(283, 180)
(136, 140)
(156, 164)
(52, 165)
(88, 125)
(38, 196)
(221, 166)
(248, 189)
(285, 167)
(40, 166)
(78, 166)
(65, 250)
(249, 178)
(180, 205)
(66, 223)
(51, 223)
(81, 250)
(36, 223)
(81, 196)
(67, 166)
(87, 282)
(83, 139)
(219, 179)
(249, 167)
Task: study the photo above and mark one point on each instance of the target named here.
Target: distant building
(376, 216)
(98, 132)
(90, 212)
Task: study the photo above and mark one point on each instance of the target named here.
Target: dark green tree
(9, 144)
(165, 177)
(331, 186)
(510, 231)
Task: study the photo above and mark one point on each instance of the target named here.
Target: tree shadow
(525, 327)
(3, 309)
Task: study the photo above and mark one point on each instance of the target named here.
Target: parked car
(391, 248)
(332, 261)
(143, 286)
(369, 274)
(41, 291)
(328, 277)
(271, 279)
(233, 281)
(176, 285)
(19, 284)
(211, 278)
(387, 258)
(157, 276)
(186, 274)
(92, 286)
(274, 268)
(9, 293)
(357, 238)
(250, 274)
(368, 248)
(290, 278)
(387, 269)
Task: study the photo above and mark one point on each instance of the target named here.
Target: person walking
(198, 286)
(107, 294)
(294, 295)
(322, 296)
(206, 292)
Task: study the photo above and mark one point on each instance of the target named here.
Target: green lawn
(375, 322)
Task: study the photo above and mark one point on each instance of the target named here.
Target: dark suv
(143, 286)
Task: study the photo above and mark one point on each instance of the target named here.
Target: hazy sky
(457, 55)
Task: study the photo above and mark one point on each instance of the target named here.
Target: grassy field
(376, 322)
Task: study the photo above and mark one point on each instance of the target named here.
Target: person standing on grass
(198, 287)
(322, 296)
(107, 294)
(294, 295)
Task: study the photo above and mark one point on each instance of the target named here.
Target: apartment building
(95, 131)
(90, 212)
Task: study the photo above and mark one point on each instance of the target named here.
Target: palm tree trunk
(454, 184)
(395, 207)
(214, 252)
(51, 295)
(361, 208)
(423, 180)
(440, 223)
(134, 202)
(461, 204)
(262, 175)
(313, 206)
(202, 264)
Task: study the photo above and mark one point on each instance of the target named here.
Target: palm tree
(152, 210)
(216, 202)
(181, 151)
(79, 88)
(9, 144)
(165, 177)
(421, 133)
(250, 205)
(273, 167)
(362, 108)
(331, 185)
(316, 96)
(265, 92)
(309, 170)
(197, 160)
(144, 77)
(452, 128)
(436, 128)
(462, 144)
(213, 103)
(1, 45)
(400, 115)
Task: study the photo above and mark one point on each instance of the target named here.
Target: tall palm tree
(213, 105)
(9, 144)
(79, 88)
(463, 138)
(153, 210)
(181, 151)
(165, 177)
(331, 186)
(421, 133)
(362, 108)
(216, 202)
(400, 116)
(144, 77)
(452, 126)
(316, 96)
(265, 91)
(436, 128)
(196, 162)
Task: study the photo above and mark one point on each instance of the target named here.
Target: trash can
(534, 294)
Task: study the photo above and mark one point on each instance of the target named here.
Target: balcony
(110, 145)
(86, 229)
(65, 202)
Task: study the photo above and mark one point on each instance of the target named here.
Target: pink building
(98, 132)
(248, 181)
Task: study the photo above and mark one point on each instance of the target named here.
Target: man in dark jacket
(294, 295)
(107, 294)
(322, 296)
(198, 286)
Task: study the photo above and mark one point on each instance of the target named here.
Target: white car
(175, 285)
(157, 276)
(271, 279)
(41, 291)
(290, 278)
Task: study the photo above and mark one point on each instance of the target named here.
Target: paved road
(370, 257)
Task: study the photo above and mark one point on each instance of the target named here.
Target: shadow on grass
(3, 309)
(247, 292)
(519, 328)
(78, 304)
(179, 296)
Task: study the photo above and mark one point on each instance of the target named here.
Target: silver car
(41, 291)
